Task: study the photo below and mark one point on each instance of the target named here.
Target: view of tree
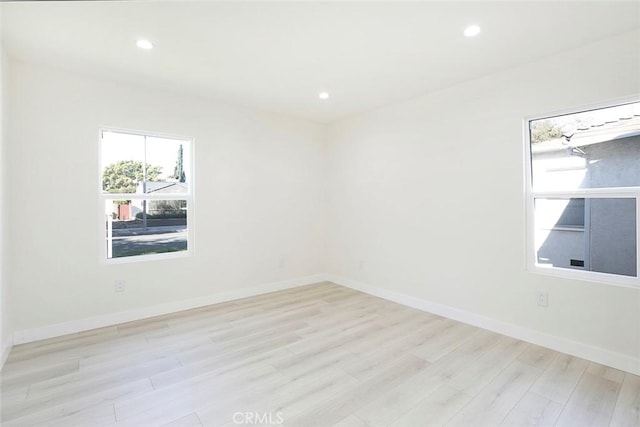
(178, 171)
(124, 176)
(544, 130)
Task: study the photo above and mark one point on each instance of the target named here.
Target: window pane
(593, 149)
(167, 166)
(612, 236)
(143, 227)
(122, 160)
(592, 234)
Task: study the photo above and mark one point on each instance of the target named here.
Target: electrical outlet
(120, 286)
(543, 298)
(282, 263)
(361, 265)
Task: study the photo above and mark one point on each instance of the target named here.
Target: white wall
(6, 330)
(259, 188)
(427, 200)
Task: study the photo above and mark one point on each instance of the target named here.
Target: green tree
(125, 175)
(544, 130)
(178, 171)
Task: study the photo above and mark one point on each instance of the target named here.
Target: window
(583, 192)
(147, 195)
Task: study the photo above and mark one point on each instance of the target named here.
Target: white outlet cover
(120, 285)
(543, 299)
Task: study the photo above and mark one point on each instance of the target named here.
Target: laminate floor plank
(83, 406)
(327, 342)
(94, 416)
(560, 378)
(533, 410)
(13, 376)
(435, 409)
(16, 394)
(296, 364)
(605, 372)
(342, 405)
(395, 403)
(480, 371)
(300, 394)
(164, 405)
(537, 356)
(627, 410)
(190, 420)
(351, 421)
(388, 337)
(77, 352)
(594, 398)
(494, 402)
(316, 355)
(101, 380)
(46, 347)
(217, 364)
(113, 361)
(322, 329)
(480, 342)
(452, 335)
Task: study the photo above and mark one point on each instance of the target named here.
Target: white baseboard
(564, 345)
(94, 322)
(5, 350)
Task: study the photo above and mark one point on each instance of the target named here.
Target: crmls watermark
(262, 418)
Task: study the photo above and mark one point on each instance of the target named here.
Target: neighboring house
(157, 187)
(595, 234)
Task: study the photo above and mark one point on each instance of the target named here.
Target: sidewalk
(139, 231)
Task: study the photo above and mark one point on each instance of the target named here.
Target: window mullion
(139, 196)
(617, 192)
(144, 166)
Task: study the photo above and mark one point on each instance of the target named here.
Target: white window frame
(612, 192)
(189, 197)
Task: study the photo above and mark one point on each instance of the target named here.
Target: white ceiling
(277, 56)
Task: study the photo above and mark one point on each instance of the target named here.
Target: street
(141, 242)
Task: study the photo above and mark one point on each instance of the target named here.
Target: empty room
(304, 213)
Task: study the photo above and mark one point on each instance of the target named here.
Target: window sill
(150, 257)
(585, 275)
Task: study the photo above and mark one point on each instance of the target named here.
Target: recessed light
(144, 44)
(323, 95)
(471, 31)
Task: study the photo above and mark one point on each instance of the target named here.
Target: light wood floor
(319, 355)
